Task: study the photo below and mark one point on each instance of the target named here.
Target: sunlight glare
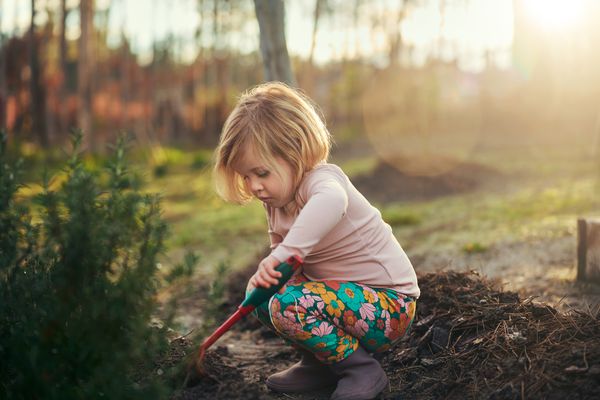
(555, 14)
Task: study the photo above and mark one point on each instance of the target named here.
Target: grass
(544, 194)
(543, 190)
(474, 222)
(544, 202)
(200, 221)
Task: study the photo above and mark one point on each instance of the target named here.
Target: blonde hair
(278, 121)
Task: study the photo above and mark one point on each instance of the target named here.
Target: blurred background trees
(483, 89)
(375, 67)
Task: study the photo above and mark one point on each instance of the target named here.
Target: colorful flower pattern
(332, 318)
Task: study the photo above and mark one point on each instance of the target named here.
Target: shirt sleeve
(326, 205)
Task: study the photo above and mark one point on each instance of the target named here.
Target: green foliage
(184, 268)
(474, 247)
(166, 160)
(212, 310)
(397, 217)
(201, 159)
(77, 287)
(161, 170)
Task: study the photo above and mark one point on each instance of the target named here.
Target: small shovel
(258, 296)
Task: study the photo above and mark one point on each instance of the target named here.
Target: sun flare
(555, 14)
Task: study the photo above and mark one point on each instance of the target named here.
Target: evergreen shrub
(77, 283)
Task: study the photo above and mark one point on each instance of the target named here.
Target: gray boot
(306, 375)
(361, 377)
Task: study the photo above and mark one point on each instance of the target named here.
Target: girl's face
(271, 187)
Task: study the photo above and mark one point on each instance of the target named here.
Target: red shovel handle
(253, 300)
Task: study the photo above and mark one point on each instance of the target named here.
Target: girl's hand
(266, 275)
(250, 287)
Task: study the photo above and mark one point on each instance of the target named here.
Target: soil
(389, 183)
(505, 324)
(469, 340)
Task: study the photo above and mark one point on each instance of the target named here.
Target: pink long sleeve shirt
(340, 235)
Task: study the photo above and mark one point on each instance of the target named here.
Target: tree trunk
(396, 36)
(49, 85)
(211, 122)
(197, 116)
(84, 73)
(271, 22)
(588, 250)
(441, 41)
(3, 90)
(126, 83)
(313, 42)
(355, 26)
(63, 90)
(37, 102)
(63, 38)
(307, 78)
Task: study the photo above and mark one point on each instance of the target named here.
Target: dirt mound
(469, 340)
(388, 181)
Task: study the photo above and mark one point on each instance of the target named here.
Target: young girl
(357, 291)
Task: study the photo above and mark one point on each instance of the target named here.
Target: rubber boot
(306, 375)
(361, 377)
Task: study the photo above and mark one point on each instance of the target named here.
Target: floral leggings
(331, 318)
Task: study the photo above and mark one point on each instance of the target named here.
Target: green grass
(400, 216)
(358, 166)
(542, 206)
(542, 196)
(474, 222)
(200, 221)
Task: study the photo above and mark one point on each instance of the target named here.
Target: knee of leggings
(277, 304)
(283, 312)
(281, 302)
